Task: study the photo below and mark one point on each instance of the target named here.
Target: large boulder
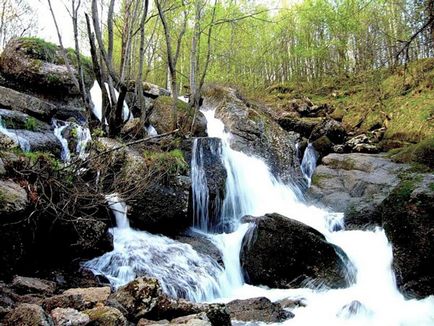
(44, 141)
(408, 221)
(354, 184)
(255, 132)
(106, 316)
(257, 309)
(283, 253)
(14, 100)
(69, 317)
(19, 120)
(25, 285)
(333, 129)
(40, 66)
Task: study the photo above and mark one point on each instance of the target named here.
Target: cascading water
(96, 95)
(308, 163)
(181, 271)
(20, 141)
(81, 134)
(251, 189)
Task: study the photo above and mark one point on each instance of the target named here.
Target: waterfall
(80, 133)
(151, 130)
(251, 189)
(96, 96)
(181, 271)
(19, 140)
(308, 163)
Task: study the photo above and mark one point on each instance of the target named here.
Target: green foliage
(30, 124)
(421, 153)
(170, 163)
(39, 49)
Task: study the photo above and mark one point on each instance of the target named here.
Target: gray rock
(69, 317)
(14, 100)
(303, 126)
(255, 132)
(354, 184)
(40, 141)
(24, 285)
(19, 120)
(408, 220)
(258, 309)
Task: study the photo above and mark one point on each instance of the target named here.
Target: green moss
(168, 101)
(30, 124)
(45, 156)
(172, 162)
(40, 49)
(421, 153)
(318, 178)
(431, 186)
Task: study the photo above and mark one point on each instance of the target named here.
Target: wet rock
(133, 129)
(207, 153)
(354, 184)
(106, 316)
(192, 320)
(323, 145)
(143, 298)
(258, 309)
(202, 245)
(19, 120)
(14, 100)
(407, 215)
(40, 141)
(25, 285)
(161, 205)
(154, 91)
(29, 315)
(303, 126)
(352, 309)
(292, 303)
(91, 296)
(255, 132)
(284, 253)
(69, 317)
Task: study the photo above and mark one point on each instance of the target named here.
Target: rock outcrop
(255, 132)
(407, 216)
(355, 184)
(284, 253)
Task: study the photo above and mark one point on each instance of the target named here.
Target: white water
(308, 163)
(151, 130)
(96, 96)
(22, 142)
(82, 135)
(251, 189)
(181, 271)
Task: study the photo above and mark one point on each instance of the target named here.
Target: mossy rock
(40, 65)
(422, 153)
(162, 117)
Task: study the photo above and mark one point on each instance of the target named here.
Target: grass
(30, 124)
(171, 163)
(420, 153)
(402, 100)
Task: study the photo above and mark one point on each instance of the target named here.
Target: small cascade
(81, 135)
(182, 272)
(19, 140)
(308, 163)
(199, 188)
(96, 96)
(151, 130)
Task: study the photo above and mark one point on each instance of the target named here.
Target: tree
(16, 19)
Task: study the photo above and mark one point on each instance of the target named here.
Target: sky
(47, 29)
